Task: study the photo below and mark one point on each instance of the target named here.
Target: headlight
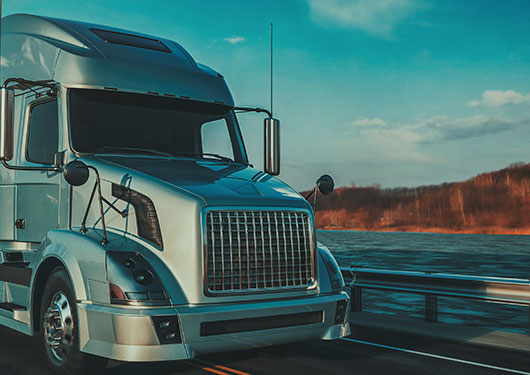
(132, 281)
(337, 282)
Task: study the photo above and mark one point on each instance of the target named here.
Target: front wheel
(59, 329)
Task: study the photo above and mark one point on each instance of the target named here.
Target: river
(470, 254)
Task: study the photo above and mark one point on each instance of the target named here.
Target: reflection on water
(471, 254)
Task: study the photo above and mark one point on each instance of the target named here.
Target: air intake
(131, 40)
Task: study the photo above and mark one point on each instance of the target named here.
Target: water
(470, 254)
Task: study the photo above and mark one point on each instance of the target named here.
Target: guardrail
(434, 285)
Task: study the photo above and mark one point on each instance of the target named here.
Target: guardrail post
(356, 294)
(431, 308)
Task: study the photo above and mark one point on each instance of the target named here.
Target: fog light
(143, 277)
(167, 329)
(341, 311)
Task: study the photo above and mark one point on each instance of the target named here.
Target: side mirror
(325, 184)
(272, 146)
(76, 173)
(7, 110)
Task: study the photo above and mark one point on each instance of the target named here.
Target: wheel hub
(58, 326)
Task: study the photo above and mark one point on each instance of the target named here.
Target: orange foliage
(495, 202)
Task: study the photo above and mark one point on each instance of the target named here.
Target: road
(366, 351)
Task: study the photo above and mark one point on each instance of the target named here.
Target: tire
(59, 330)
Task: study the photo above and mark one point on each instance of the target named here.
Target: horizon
(416, 92)
(353, 184)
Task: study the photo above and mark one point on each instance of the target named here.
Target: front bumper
(128, 334)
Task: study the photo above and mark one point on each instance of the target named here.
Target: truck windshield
(106, 122)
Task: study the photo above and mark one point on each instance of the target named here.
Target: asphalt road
(366, 351)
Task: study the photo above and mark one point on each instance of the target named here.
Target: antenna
(271, 72)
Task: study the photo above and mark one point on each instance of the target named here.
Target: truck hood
(218, 183)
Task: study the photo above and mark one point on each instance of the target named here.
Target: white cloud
(377, 17)
(234, 39)
(498, 98)
(370, 122)
(444, 128)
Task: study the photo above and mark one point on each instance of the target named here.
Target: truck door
(38, 192)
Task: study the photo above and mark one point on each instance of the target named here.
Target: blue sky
(395, 92)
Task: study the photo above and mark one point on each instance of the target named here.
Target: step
(11, 307)
(14, 312)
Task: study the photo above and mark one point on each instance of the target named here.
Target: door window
(43, 138)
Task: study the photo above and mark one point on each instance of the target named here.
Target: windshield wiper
(136, 149)
(220, 157)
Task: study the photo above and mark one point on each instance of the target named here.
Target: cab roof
(85, 55)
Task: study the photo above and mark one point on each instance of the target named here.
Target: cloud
(443, 128)
(370, 122)
(234, 39)
(376, 17)
(498, 98)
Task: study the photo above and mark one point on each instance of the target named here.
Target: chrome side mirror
(7, 111)
(325, 184)
(76, 173)
(272, 146)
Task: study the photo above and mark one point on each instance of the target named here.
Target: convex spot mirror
(7, 110)
(325, 184)
(76, 173)
(272, 146)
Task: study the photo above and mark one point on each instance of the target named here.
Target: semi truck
(132, 225)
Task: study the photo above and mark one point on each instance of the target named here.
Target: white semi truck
(132, 225)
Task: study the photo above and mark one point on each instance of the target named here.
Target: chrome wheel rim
(58, 327)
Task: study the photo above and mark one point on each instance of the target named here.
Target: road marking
(209, 369)
(221, 367)
(438, 356)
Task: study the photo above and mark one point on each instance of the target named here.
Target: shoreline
(495, 231)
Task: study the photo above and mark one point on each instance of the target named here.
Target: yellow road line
(221, 367)
(209, 369)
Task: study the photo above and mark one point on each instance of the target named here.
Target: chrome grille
(255, 250)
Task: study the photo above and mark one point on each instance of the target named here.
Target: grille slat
(258, 250)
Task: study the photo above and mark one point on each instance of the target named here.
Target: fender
(83, 259)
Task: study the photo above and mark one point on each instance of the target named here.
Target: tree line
(494, 202)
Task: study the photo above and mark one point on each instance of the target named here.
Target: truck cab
(132, 226)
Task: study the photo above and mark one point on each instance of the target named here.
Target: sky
(388, 92)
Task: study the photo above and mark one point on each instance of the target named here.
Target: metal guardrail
(433, 285)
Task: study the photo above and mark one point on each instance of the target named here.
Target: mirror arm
(18, 168)
(313, 193)
(97, 186)
(121, 213)
(83, 223)
(315, 197)
(250, 109)
(100, 199)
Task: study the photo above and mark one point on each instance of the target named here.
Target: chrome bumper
(128, 334)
